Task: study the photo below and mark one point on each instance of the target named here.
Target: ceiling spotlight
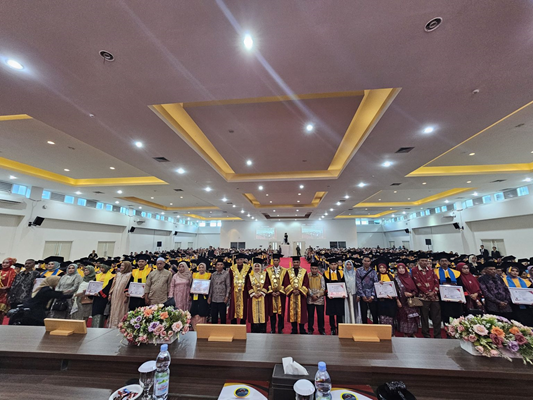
(468, 181)
(325, 213)
(208, 189)
(475, 193)
(331, 209)
(297, 210)
(181, 197)
(152, 198)
(116, 202)
(296, 201)
(248, 162)
(271, 201)
(346, 197)
(408, 198)
(171, 204)
(395, 191)
(242, 211)
(309, 127)
(446, 201)
(301, 186)
(273, 210)
(267, 194)
(472, 154)
(393, 215)
(338, 203)
(429, 129)
(111, 167)
(12, 177)
(248, 41)
(379, 199)
(180, 171)
(361, 184)
(253, 217)
(162, 213)
(248, 215)
(78, 192)
(119, 191)
(140, 208)
(139, 144)
(299, 194)
(50, 142)
(260, 187)
(234, 206)
(66, 170)
(424, 183)
(14, 64)
(224, 199)
(527, 180)
(403, 212)
(387, 164)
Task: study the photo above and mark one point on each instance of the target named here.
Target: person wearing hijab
(472, 290)
(352, 309)
(407, 317)
(52, 269)
(522, 313)
(100, 300)
(68, 284)
(259, 308)
(180, 287)
(117, 294)
(83, 305)
(199, 306)
(472, 261)
(387, 307)
(7, 277)
(41, 299)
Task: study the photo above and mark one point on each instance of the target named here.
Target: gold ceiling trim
(317, 199)
(14, 117)
(379, 215)
(138, 200)
(452, 170)
(65, 180)
(425, 200)
(372, 107)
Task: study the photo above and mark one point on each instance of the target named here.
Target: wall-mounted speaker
(132, 229)
(428, 242)
(175, 233)
(37, 221)
(406, 230)
(159, 244)
(456, 225)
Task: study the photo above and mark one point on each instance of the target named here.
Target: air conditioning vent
(342, 201)
(5, 187)
(229, 203)
(98, 192)
(178, 190)
(404, 149)
(461, 198)
(161, 159)
(9, 202)
(396, 184)
(57, 197)
(90, 203)
(498, 180)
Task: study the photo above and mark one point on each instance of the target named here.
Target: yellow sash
(276, 285)
(295, 305)
(238, 285)
(258, 303)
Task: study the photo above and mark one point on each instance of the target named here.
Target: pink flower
(497, 340)
(176, 327)
(466, 339)
(472, 338)
(494, 353)
(185, 329)
(170, 333)
(460, 328)
(451, 330)
(520, 339)
(163, 334)
(120, 325)
(129, 337)
(481, 330)
(479, 349)
(160, 329)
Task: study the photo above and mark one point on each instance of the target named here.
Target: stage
(431, 368)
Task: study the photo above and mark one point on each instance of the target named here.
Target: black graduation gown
(333, 306)
(135, 302)
(451, 309)
(100, 302)
(38, 305)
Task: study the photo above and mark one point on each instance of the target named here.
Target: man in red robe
(238, 306)
(296, 283)
(427, 283)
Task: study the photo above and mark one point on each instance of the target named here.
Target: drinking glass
(146, 378)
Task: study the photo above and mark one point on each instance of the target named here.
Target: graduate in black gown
(334, 306)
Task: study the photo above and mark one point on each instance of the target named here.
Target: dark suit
(495, 254)
(484, 253)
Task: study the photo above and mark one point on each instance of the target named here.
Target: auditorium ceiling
(334, 106)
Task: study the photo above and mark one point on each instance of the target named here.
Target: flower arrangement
(494, 336)
(154, 324)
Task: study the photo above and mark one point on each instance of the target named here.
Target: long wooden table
(431, 368)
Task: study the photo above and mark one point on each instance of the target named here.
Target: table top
(408, 355)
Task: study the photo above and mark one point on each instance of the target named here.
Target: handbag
(170, 302)
(414, 302)
(60, 305)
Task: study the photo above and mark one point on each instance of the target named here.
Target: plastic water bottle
(322, 382)
(162, 374)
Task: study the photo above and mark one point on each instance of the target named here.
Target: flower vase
(172, 340)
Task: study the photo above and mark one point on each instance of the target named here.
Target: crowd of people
(250, 286)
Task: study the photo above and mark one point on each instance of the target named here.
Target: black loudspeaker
(132, 229)
(406, 230)
(37, 221)
(428, 242)
(175, 233)
(159, 244)
(456, 225)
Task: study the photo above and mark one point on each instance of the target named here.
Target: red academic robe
(303, 288)
(231, 312)
(268, 300)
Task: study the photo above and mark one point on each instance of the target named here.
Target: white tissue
(291, 367)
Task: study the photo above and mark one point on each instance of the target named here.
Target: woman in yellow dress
(259, 308)
(199, 306)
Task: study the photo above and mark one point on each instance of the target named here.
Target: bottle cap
(304, 388)
(321, 366)
(164, 347)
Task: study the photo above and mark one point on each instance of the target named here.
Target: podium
(286, 250)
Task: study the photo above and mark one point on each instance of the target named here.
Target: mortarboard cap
(54, 258)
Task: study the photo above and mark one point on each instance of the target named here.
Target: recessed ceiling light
(249, 162)
(119, 191)
(301, 186)
(66, 169)
(12, 177)
(338, 203)
(331, 209)
(468, 181)
(162, 213)
(50, 142)
(78, 192)
(271, 201)
(527, 180)
(140, 208)
(111, 167)
(14, 64)
(446, 201)
(273, 210)
(171, 204)
(139, 144)
(297, 210)
(424, 183)
(429, 129)
(267, 194)
(296, 201)
(248, 41)
(253, 217)
(403, 212)
(248, 215)
(242, 211)
(390, 208)
(208, 189)
(395, 191)
(325, 213)
(393, 215)
(408, 198)
(472, 154)
(475, 193)
(116, 202)
(224, 199)
(362, 184)
(346, 197)
(234, 206)
(180, 171)
(309, 127)
(379, 199)
(260, 187)
(387, 164)
(299, 194)
(152, 198)
(188, 219)
(181, 197)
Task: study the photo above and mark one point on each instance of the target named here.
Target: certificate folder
(365, 332)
